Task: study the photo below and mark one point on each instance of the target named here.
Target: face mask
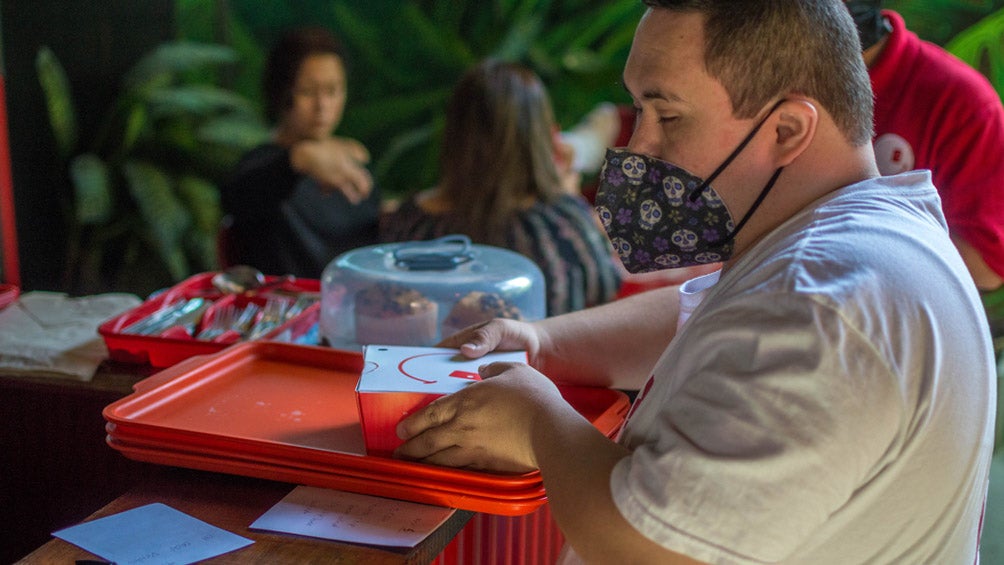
(659, 216)
(867, 15)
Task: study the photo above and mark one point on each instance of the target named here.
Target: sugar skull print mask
(659, 216)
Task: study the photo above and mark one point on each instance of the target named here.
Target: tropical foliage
(981, 47)
(146, 181)
(144, 187)
(404, 58)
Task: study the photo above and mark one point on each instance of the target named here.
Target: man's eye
(668, 119)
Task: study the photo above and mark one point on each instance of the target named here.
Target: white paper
(350, 517)
(155, 534)
(437, 370)
(48, 333)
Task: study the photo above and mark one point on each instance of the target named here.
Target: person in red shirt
(933, 111)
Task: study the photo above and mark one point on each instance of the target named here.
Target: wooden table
(55, 469)
(232, 503)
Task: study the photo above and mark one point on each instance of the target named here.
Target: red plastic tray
(116, 437)
(332, 480)
(272, 410)
(160, 352)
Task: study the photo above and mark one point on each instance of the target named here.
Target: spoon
(246, 280)
(238, 279)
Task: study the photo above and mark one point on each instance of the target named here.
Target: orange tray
(268, 409)
(328, 479)
(161, 352)
(117, 437)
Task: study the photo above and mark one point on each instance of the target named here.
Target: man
(827, 397)
(932, 111)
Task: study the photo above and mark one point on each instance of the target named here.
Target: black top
(283, 223)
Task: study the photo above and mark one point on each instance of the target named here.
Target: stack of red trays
(289, 413)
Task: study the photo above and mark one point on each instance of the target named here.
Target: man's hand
(488, 425)
(505, 335)
(337, 163)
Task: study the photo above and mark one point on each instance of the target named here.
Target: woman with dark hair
(305, 196)
(500, 185)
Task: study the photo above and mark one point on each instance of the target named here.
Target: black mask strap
(756, 204)
(695, 194)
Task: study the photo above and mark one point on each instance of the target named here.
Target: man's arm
(612, 345)
(576, 461)
(516, 420)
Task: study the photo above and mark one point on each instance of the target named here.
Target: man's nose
(644, 138)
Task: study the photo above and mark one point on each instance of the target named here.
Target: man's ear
(796, 126)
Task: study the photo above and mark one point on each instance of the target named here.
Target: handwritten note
(351, 517)
(155, 534)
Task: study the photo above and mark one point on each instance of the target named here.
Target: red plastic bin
(162, 352)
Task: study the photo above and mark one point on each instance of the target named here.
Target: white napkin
(51, 334)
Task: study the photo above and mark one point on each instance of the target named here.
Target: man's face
(684, 115)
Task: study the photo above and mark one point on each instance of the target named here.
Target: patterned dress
(562, 238)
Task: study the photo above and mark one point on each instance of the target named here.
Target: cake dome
(418, 292)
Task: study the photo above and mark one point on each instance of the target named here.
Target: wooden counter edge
(232, 503)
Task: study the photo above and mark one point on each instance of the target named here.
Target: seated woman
(500, 186)
(299, 200)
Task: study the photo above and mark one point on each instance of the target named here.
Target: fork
(272, 316)
(223, 319)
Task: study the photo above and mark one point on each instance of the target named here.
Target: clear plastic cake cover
(416, 293)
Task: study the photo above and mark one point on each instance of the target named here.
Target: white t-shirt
(692, 293)
(830, 400)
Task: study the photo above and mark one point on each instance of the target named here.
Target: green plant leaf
(592, 26)
(167, 220)
(159, 67)
(439, 46)
(202, 198)
(522, 34)
(367, 41)
(233, 131)
(402, 143)
(135, 125)
(393, 112)
(982, 47)
(197, 100)
(56, 87)
(92, 189)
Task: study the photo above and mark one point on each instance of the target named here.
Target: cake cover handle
(443, 254)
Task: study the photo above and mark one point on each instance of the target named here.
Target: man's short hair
(761, 50)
